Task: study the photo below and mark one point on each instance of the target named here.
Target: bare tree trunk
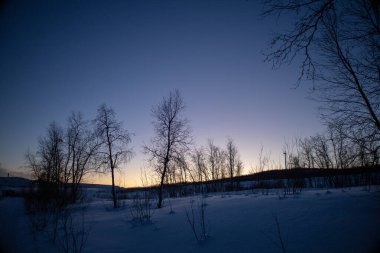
(161, 188)
(113, 189)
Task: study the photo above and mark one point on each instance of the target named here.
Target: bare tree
(321, 151)
(172, 136)
(342, 148)
(215, 160)
(234, 164)
(48, 163)
(263, 160)
(199, 161)
(222, 163)
(239, 167)
(211, 159)
(82, 146)
(291, 152)
(184, 170)
(306, 152)
(339, 45)
(115, 143)
(232, 157)
(366, 148)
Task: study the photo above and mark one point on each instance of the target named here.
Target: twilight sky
(63, 56)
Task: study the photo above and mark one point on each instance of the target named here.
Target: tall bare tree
(184, 170)
(342, 149)
(47, 164)
(199, 161)
(338, 43)
(215, 160)
(322, 152)
(115, 143)
(234, 164)
(263, 161)
(306, 152)
(82, 145)
(172, 136)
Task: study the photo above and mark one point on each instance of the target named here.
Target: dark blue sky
(60, 56)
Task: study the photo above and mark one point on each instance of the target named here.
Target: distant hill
(15, 182)
(99, 186)
(24, 182)
(307, 173)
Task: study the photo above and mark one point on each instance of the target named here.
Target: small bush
(196, 218)
(141, 208)
(73, 231)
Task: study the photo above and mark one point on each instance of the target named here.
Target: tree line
(65, 155)
(335, 148)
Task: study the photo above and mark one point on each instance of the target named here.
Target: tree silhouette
(172, 136)
(115, 139)
(338, 42)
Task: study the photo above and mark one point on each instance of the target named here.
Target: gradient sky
(63, 56)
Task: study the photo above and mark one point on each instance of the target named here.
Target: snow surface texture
(339, 220)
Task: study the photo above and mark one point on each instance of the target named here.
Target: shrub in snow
(141, 208)
(73, 231)
(52, 215)
(278, 240)
(196, 218)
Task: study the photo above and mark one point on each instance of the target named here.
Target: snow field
(338, 220)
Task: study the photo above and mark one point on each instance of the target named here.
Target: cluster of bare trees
(213, 162)
(65, 155)
(335, 148)
(173, 156)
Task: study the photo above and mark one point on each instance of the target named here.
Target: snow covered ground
(338, 220)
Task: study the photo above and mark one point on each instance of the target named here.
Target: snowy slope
(342, 220)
